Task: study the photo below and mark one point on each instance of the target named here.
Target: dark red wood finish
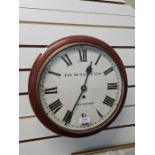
(38, 67)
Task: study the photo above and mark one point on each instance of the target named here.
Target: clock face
(79, 88)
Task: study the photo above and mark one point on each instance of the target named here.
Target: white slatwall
(65, 146)
(29, 34)
(46, 16)
(45, 21)
(28, 56)
(78, 6)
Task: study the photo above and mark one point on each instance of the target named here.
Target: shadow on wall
(131, 2)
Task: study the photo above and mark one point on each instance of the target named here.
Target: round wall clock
(78, 86)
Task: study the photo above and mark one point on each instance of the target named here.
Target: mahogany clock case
(37, 70)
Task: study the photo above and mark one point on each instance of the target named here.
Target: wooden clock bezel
(37, 69)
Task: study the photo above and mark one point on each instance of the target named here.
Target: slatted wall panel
(45, 21)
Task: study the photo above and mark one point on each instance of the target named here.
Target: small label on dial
(84, 120)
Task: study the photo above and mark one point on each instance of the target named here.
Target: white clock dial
(80, 87)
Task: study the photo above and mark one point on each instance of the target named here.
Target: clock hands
(88, 71)
(83, 89)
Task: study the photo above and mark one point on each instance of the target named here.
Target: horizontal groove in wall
(80, 25)
(129, 66)
(25, 117)
(121, 126)
(32, 46)
(44, 46)
(40, 138)
(131, 86)
(26, 93)
(105, 1)
(29, 69)
(56, 136)
(23, 93)
(32, 116)
(24, 69)
(127, 106)
(74, 11)
(107, 149)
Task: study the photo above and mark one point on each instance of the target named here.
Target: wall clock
(78, 86)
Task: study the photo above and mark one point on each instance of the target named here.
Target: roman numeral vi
(67, 117)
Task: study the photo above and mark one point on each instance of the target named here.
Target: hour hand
(89, 68)
(88, 71)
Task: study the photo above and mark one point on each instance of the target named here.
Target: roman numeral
(97, 59)
(99, 113)
(56, 106)
(112, 86)
(51, 90)
(67, 117)
(84, 120)
(83, 115)
(108, 70)
(66, 59)
(83, 55)
(109, 101)
(54, 73)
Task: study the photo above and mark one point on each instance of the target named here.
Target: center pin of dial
(83, 88)
(83, 96)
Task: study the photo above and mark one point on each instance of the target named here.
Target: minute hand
(83, 88)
